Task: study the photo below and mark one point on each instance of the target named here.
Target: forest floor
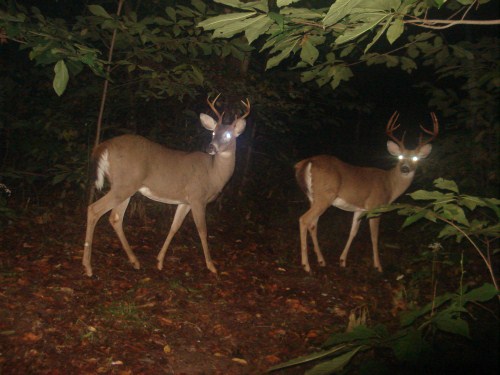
(261, 308)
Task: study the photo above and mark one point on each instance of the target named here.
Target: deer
(328, 181)
(190, 180)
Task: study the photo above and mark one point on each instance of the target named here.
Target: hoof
(212, 268)
(306, 268)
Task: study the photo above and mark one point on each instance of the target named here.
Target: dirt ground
(261, 308)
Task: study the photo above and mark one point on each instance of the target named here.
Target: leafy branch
(449, 207)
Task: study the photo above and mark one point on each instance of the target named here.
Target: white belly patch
(343, 205)
(149, 194)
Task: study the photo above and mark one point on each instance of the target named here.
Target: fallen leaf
(240, 361)
(272, 359)
(31, 337)
(312, 334)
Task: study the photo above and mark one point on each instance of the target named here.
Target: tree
(328, 41)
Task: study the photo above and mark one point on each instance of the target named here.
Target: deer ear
(208, 122)
(393, 148)
(239, 126)
(424, 151)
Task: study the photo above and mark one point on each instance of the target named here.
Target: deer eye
(401, 157)
(414, 158)
(227, 136)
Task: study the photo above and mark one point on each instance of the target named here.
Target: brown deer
(189, 180)
(328, 181)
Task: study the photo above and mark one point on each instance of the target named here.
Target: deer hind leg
(180, 214)
(94, 213)
(374, 228)
(116, 220)
(309, 222)
(313, 232)
(352, 234)
(201, 225)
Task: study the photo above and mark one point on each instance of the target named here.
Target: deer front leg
(201, 225)
(180, 214)
(352, 234)
(374, 228)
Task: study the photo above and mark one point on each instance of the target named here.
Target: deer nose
(405, 169)
(212, 149)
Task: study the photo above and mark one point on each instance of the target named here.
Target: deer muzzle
(212, 149)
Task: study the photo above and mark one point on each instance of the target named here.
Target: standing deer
(188, 179)
(327, 181)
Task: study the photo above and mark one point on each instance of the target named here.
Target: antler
(247, 108)
(391, 127)
(212, 106)
(433, 133)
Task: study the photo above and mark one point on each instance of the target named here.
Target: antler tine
(391, 127)
(247, 108)
(434, 133)
(212, 106)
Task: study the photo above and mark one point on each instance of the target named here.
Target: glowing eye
(400, 157)
(227, 136)
(415, 158)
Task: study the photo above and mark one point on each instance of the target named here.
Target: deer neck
(400, 181)
(223, 164)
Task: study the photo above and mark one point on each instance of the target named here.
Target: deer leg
(180, 214)
(308, 222)
(313, 232)
(94, 213)
(374, 227)
(116, 220)
(352, 234)
(201, 225)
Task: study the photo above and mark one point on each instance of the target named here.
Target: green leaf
(494, 204)
(308, 358)
(340, 73)
(455, 213)
(338, 10)
(482, 294)
(446, 323)
(275, 60)
(409, 346)
(99, 11)
(369, 23)
(261, 24)
(199, 5)
(171, 13)
(303, 13)
(284, 3)
(428, 195)
(335, 364)
(217, 22)
(359, 333)
(61, 77)
(261, 5)
(407, 64)
(443, 184)
(410, 317)
(395, 30)
(414, 218)
(309, 53)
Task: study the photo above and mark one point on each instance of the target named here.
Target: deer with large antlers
(189, 180)
(328, 181)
